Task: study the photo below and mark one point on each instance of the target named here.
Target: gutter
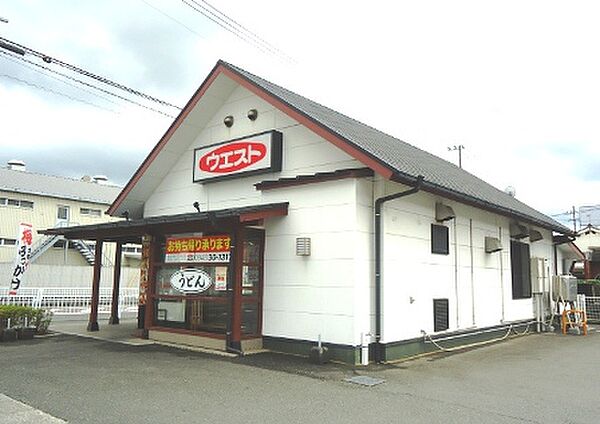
(378, 238)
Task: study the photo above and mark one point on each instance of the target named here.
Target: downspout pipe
(378, 238)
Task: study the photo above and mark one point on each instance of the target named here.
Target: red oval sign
(232, 157)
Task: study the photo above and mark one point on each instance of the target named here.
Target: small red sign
(232, 157)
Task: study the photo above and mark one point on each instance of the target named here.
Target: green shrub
(591, 281)
(21, 315)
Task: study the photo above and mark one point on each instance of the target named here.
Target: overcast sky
(516, 82)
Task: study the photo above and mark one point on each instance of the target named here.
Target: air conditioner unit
(564, 287)
(492, 244)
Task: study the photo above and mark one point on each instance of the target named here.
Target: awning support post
(93, 321)
(114, 306)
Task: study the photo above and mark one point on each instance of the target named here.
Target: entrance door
(252, 282)
(63, 214)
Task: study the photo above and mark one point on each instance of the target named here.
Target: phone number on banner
(197, 257)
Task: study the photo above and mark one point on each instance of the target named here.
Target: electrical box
(539, 275)
(564, 287)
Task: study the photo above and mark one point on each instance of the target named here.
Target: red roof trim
(165, 138)
(308, 122)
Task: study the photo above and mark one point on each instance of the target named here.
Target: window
(90, 212)
(7, 242)
(26, 204)
(439, 240)
(520, 267)
(62, 213)
(131, 249)
(440, 315)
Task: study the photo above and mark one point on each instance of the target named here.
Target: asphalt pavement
(546, 378)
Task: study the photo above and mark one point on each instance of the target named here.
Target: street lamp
(460, 148)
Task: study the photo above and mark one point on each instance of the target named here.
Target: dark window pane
(250, 318)
(440, 243)
(207, 316)
(520, 270)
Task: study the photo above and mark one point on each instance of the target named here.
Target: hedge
(19, 315)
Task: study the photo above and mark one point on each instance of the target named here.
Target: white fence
(64, 301)
(63, 276)
(591, 306)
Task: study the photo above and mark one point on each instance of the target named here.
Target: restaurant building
(270, 221)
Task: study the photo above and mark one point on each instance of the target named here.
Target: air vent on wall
(440, 315)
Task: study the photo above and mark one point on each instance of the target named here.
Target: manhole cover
(365, 380)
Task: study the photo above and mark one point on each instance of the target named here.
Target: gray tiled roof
(54, 186)
(406, 160)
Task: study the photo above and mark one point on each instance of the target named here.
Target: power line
(239, 25)
(90, 85)
(47, 74)
(233, 27)
(209, 15)
(162, 12)
(73, 68)
(49, 90)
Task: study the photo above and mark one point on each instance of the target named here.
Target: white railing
(67, 301)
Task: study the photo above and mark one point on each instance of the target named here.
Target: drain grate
(365, 380)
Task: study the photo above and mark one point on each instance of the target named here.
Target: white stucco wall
(305, 297)
(478, 288)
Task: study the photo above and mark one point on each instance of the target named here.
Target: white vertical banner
(24, 242)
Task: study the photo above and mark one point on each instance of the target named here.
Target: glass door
(252, 282)
(63, 215)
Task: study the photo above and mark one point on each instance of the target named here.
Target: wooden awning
(131, 231)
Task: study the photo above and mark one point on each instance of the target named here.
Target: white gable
(174, 192)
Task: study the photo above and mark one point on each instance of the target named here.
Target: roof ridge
(62, 177)
(238, 69)
(385, 145)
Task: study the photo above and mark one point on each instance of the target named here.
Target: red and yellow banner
(198, 249)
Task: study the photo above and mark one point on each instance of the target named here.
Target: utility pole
(574, 219)
(460, 148)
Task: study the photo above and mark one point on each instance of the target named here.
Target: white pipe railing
(70, 301)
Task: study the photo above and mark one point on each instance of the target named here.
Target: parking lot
(538, 378)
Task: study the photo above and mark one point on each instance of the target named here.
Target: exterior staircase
(42, 245)
(82, 247)
(86, 251)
